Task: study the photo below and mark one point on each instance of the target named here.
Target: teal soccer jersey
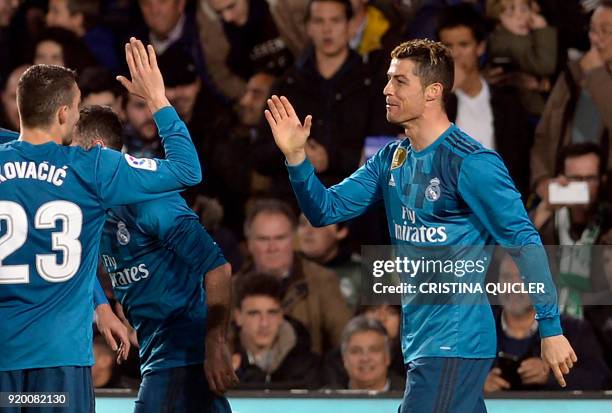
(53, 202)
(452, 193)
(7, 136)
(156, 253)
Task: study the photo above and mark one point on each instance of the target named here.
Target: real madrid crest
(123, 235)
(399, 157)
(432, 192)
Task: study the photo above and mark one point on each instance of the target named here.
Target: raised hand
(289, 133)
(558, 354)
(147, 81)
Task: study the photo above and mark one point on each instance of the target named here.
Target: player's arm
(171, 220)
(494, 199)
(108, 323)
(123, 179)
(322, 206)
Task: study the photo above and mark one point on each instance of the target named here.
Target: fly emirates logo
(413, 233)
(125, 276)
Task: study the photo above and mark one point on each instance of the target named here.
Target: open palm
(289, 133)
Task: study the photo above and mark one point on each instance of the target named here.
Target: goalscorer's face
(366, 358)
(259, 318)
(404, 93)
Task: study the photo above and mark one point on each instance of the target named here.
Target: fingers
(125, 83)
(140, 54)
(501, 383)
(288, 107)
(270, 118)
(274, 110)
(573, 356)
(129, 58)
(152, 57)
(280, 107)
(307, 124)
(558, 375)
(110, 340)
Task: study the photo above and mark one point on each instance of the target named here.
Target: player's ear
(433, 92)
(342, 233)
(62, 114)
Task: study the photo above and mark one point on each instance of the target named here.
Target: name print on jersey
(32, 170)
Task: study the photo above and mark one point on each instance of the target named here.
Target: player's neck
(425, 130)
(37, 136)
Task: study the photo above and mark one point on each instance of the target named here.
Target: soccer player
(53, 200)
(155, 253)
(7, 135)
(448, 349)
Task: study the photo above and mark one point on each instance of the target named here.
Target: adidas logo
(391, 181)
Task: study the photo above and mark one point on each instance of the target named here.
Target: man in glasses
(573, 221)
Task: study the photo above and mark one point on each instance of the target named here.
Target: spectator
(242, 37)
(61, 47)
(375, 25)
(576, 224)
(271, 352)
(425, 14)
(210, 123)
(599, 312)
(333, 84)
(235, 179)
(366, 356)
(391, 317)
(311, 294)
(254, 39)
(168, 23)
(519, 367)
(81, 18)
(9, 115)
(103, 372)
(579, 108)
(99, 88)
(140, 132)
(325, 246)
(524, 45)
(7, 10)
(491, 114)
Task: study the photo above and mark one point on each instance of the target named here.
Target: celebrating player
(448, 349)
(53, 200)
(156, 253)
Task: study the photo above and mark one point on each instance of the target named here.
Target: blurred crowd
(533, 81)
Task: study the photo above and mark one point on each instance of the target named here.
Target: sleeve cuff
(165, 116)
(550, 327)
(300, 172)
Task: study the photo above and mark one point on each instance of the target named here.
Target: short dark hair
(75, 53)
(463, 15)
(98, 122)
(89, 8)
(575, 150)
(433, 63)
(97, 79)
(270, 206)
(253, 284)
(41, 91)
(348, 8)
